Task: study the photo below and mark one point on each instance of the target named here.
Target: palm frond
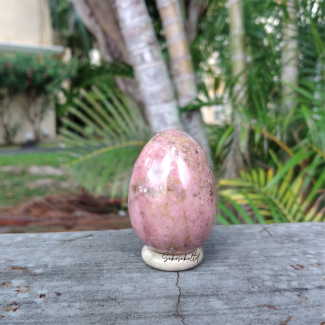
(104, 135)
(270, 196)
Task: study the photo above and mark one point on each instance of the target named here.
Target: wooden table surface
(250, 274)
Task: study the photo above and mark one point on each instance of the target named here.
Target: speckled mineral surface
(172, 194)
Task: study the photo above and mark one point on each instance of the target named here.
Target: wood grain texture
(249, 275)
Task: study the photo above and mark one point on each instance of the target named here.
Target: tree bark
(191, 20)
(88, 18)
(104, 14)
(5, 120)
(98, 16)
(237, 45)
(149, 66)
(289, 57)
(182, 69)
(234, 160)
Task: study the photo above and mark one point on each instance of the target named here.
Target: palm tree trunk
(192, 19)
(182, 69)
(234, 160)
(237, 45)
(150, 69)
(289, 56)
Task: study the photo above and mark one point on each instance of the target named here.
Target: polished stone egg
(172, 194)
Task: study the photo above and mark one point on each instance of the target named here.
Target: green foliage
(264, 46)
(88, 74)
(264, 129)
(286, 183)
(283, 189)
(73, 33)
(37, 78)
(267, 196)
(100, 154)
(32, 75)
(283, 178)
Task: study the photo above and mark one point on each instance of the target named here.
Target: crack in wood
(267, 230)
(179, 300)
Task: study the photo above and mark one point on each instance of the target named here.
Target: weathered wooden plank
(249, 275)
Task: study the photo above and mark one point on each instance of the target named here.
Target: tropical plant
(121, 37)
(282, 179)
(104, 135)
(263, 106)
(267, 196)
(37, 78)
(86, 75)
(70, 29)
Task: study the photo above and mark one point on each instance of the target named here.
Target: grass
(14, 187)
(27, 159)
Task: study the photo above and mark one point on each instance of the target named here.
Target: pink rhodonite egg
(172, 194)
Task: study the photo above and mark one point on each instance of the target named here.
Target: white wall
(25, 21)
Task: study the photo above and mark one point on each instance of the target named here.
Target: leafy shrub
(38, 78)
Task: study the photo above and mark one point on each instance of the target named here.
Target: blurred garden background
(84, 84)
